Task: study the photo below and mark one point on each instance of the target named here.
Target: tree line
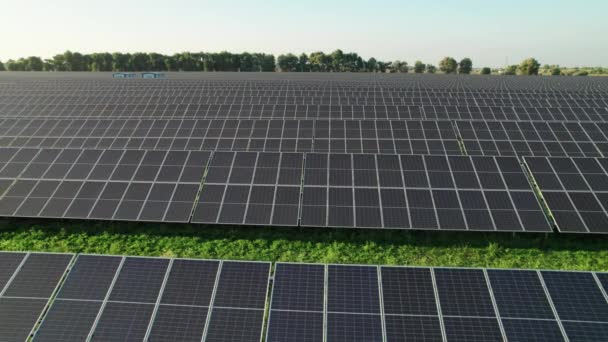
(141, 61)
(337, 61)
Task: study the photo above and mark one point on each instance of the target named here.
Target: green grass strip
(347, 246)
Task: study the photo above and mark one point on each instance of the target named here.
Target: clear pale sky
(569, 33)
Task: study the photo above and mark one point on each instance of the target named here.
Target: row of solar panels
(118, 97)
(313, 189)
(240, 88)
(220, 109)
(64, 297)
(534, 138)
(65, 89)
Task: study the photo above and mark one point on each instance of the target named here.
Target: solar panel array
(339, 150)
(313, 302)
(271, 188)
(65, 297)
(115, 298)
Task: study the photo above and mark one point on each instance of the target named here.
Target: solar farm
(303, 154)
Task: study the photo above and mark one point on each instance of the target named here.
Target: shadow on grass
(381, 237)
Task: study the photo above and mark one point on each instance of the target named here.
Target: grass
(501, 250)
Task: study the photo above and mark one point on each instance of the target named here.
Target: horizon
(491, 35)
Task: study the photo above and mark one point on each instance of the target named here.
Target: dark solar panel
(68, 320)
(235, 325)
(140, 280)
(575, 191)
(190, 282)
(166, 187)
(463, 292)
(472, 329)
(242, 285)
(576, 296)
(408, 291)
(298, 287)
(39, 276)
(123, 322)
(178, 323)
(297, 326)
(519, 294)
(353, 327)
(532, 330)
(586, 331)
(413, 328)
(90, 277)
(251, 188)
(18, 317)
(8, 265)
(353, 289)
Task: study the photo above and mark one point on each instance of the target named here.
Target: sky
(491, 33)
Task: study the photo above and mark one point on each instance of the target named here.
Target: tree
(121, 61)
(267, 62)
(100, 62)
(529, 66)
(556, 71)
(372, 65)
(465, 66)
(400, 67)
(34, 63)
(156, 62)
(337, 60)
(448, 65)
(303, 63)
(18, 65)
(47, 65)
(430, 69)
(140, 61)
(419, 67)
(510, 70)
(288, 62)
(2, 68)
(319, 61)
(486, 71)
(246, 62)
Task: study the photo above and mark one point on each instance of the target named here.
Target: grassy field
(552, 251)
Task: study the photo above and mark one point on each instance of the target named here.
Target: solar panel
(80, 299)
(427, 304)
(251, 188)
(298, 303)
(27, 291)
(576, 296)
(419, 192)
(410, 304)
(107, 184)
(185, 301)
(353, 304)
(8, 264)
(237, 313)
(574, 190)
(125, 298)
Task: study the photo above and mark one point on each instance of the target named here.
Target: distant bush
(486, 71)
(529, 66)
(448, 65)
(465, 66)
(510, 70)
